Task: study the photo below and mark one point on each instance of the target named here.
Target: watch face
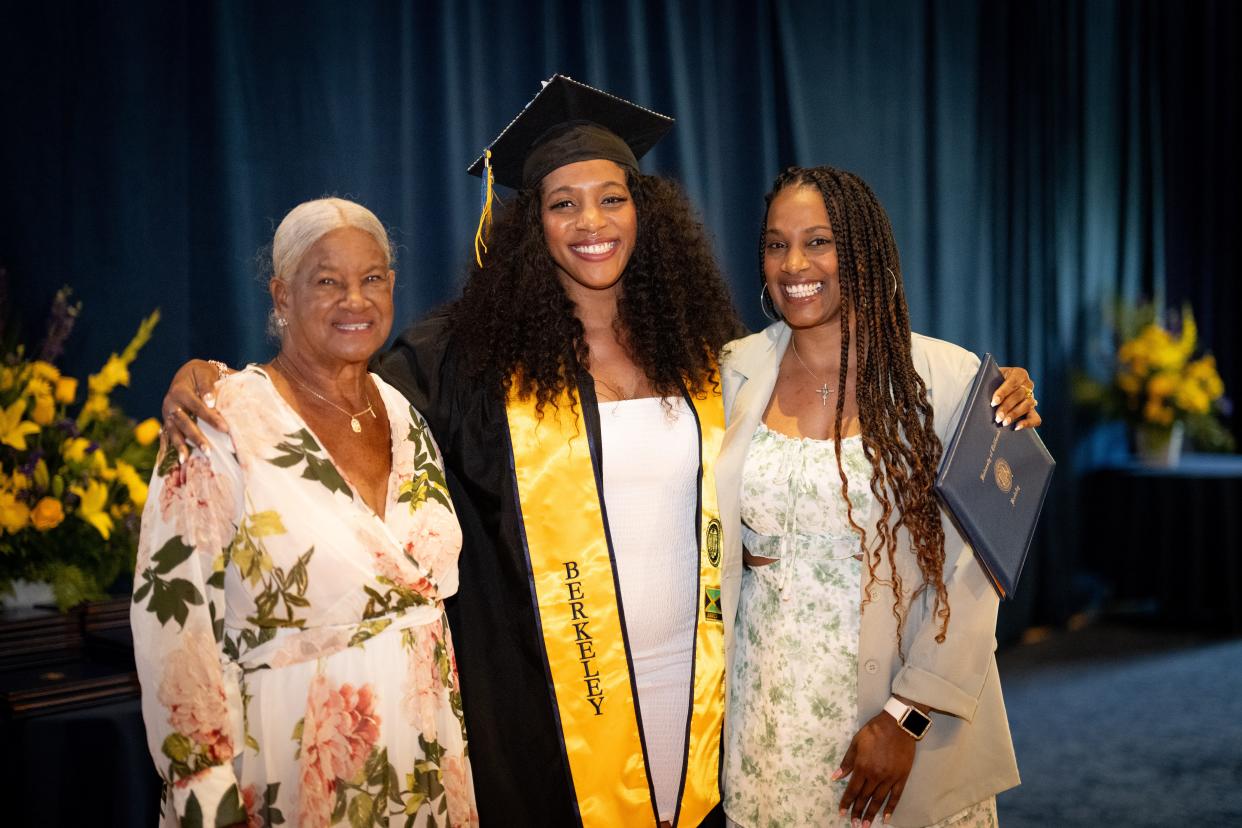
(916, 722)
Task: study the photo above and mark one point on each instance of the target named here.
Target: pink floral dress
(295, 663)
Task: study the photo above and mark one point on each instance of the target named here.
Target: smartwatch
(909, 718)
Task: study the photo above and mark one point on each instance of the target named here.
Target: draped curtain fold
(1039, 161)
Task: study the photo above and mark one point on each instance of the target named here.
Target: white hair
(309, 222)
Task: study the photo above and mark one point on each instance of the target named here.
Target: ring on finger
(1030, 392)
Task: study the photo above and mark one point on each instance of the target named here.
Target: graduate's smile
(589, 223)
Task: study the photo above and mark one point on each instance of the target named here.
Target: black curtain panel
(1040, 161)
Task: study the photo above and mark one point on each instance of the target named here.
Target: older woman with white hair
(287, 614)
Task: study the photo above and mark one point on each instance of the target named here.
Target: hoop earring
(892, 295)
(765, 302)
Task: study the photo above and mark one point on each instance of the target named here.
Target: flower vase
(27, 594)
(1159, 447)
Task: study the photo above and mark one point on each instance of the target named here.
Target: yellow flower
(48, 514)
(95, 405)
(7, 377)
(18, 482)
(1192, 398)
(99, 465)
(133, 482)
(13, 431)
(44, 410)
(74, 449)
(14, 515)
(45, 371)
(1129, 383)
(1157, 413)
(114, 372)
(92, 508)
(66, 390)
(1162, 385)
(41, 476)
(146, 431)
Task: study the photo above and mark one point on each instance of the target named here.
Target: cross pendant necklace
(824, 391)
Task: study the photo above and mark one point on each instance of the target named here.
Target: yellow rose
(1162, 385)
(48, 514)
(44, 410)
(66, 390)
(74, 449)
(146, 431)
(1157, 413)
(14, 515)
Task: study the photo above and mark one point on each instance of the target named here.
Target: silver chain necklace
(353, 418)
(823, 389)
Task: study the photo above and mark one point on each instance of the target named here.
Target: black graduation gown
(520, 773)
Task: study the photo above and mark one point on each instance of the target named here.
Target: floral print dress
(793, 707)
(295, 663)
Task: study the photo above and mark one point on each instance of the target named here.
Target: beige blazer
(967, 756)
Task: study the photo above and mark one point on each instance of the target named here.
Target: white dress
(650, 471)
(794, 697)
(295, 663)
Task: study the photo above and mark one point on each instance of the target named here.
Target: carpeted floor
(1118, 726)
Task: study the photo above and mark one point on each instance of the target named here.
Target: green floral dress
(295, 663)
(793, 706)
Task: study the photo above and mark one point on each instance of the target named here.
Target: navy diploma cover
(993, 481)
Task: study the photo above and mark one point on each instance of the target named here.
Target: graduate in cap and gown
(573, 391)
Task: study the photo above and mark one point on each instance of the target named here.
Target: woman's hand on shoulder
(190, 399)
(878, 763)
(1015, 401)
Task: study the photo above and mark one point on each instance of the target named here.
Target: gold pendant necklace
(353, 418)
(823, 389)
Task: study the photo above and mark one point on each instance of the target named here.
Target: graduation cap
(566, 122)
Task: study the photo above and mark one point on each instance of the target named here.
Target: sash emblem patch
(711, 604)
(713, 542)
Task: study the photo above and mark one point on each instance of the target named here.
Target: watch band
(909, 718)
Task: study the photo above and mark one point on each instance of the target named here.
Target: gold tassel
(485, 218)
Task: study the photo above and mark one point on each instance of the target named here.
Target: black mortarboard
(566, 122)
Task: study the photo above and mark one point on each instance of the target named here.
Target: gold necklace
(353, 418)
(823, 390)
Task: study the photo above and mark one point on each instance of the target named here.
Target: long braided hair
(514, 322)
(893, 410)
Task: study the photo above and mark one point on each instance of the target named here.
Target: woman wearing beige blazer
(839, 400)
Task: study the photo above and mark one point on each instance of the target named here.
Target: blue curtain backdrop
(1039, 160)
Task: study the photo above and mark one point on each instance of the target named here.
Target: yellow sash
(574, 582)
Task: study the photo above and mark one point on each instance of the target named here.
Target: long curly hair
(514, 323)
(893, 411)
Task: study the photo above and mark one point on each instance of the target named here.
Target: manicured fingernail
(998, 419)
(857, 823)
(836, 774)
(886, 816)
(842, 812)
(210, 399)
(1019, 427)
(866, 823)
(181, 456)
(1008, 420)
(995, 401)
